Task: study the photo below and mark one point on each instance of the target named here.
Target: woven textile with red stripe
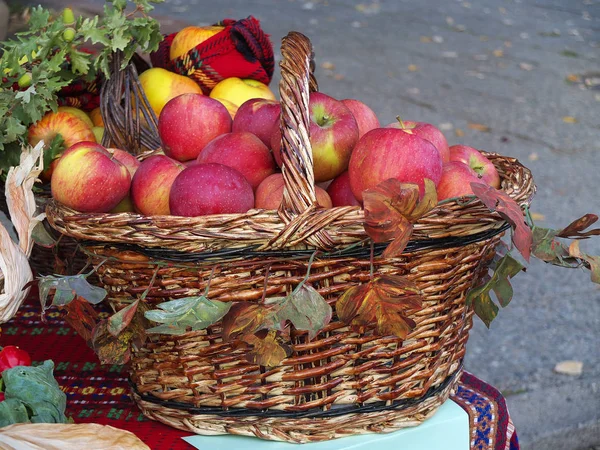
(241, 50)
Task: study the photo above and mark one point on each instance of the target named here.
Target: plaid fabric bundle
(81, 94)
(241, 50)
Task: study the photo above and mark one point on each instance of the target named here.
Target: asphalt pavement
(517, 77)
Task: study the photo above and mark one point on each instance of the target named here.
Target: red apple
(340, 191)
(425, 131)
(190, 121)
(365, 117)
(205, 189)
(270, 193)
(243, 152)
(258, 116)
(73, 129)
(88, 178)
(125, 158)
(456, 180)
(151, 185)
(333, 135)
(485, 169)
(386, 153)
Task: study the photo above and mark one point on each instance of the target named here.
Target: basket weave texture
(339, 383)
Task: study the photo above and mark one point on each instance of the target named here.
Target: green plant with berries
(53, 52)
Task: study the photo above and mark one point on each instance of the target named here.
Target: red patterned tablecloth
(100, 394)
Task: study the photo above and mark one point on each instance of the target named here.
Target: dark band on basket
(311, 414)
(354, 251)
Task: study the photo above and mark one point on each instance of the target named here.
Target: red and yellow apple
(151, 185)
(340, 192)
(386, 153)
(160, 86)
(190, 37)
(70, 127)
(365, 117)
(88, 178)
(483, 167)
(258, 116)
(98, 134)
(125, 158)
(333, 135)
(205, 189)
(456, 180)
(425, 131)
(269, 193)
(78, 113)
(189, 122)
(243, 152)
(239, 90)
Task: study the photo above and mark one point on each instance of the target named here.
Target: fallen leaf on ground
(459, 132)
(569, 119)
(327, 65)
(498, 53)
(526, 66)
(479, 127)
(573, 368)
(573, 78)
(413, 68)
(533, 156)
(537, 216)
(425, 39)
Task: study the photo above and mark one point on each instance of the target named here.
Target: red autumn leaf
(575, 229)
(267, 350)
(121, 319)
(499, 201)
(391, 208)
(246, 319)
(385, 302)
(82, 316)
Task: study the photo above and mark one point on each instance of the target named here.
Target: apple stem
(400, 122)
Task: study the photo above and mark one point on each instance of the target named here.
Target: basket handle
(297, 81)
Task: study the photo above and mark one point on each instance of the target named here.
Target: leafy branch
(51, 54)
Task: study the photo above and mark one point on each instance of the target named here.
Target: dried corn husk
(14, 265)
(58, 436)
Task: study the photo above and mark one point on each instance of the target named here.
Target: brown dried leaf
(267, 351)
(575, 229)
(82, 316)
(592, 261)
(499, 201)
(245, 319)
(385, 302)
(390, 209)
(459, 132)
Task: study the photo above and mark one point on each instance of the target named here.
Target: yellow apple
(239, 90)
(230, 106)
(99, 133)
(190, 37)
(77, 112)
(69, 126)
(160, 86)
(96, 117)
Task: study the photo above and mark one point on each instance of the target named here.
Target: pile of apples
(221, 152)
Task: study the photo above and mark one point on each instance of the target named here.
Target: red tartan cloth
(241, 50)
(100, 394)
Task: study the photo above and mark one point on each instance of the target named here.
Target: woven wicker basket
(338, 383)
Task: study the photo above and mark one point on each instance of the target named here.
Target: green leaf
(38, 18)
(37, 389)
(41, 236)
(306, 309)
(26, 94)
(67, 287)
(91, 32)
(503, 269)
(196, 313)
(119, 4)
(80, 62)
